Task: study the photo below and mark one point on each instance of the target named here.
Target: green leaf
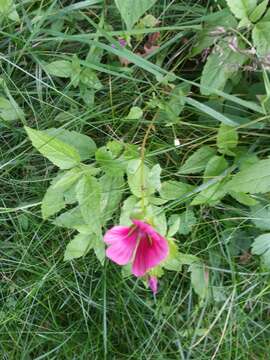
(143, 180)
(227, 139)
(260, 216)
(131, 10)
(112, 190)
(89, 198)
(8, 8)
(52, 203)
(78, 247)
(85, 146)
(10, 111)
(59, 153)
(197, 162)
(135, 113)
(174, 224)
(242, 8)
(214, 193)
(187, 221)
(199, 279)
(221, 65)
(261, 246)
(254, 179)
(261, 37)
(173, 261)
(244, 198)
(73, 219)
(130, 206)
(110, 163)
(89, 78)
(258, 12)
(173, 190)
(60, 68)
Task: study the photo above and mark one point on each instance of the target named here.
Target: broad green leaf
(243, 198)
(85, 146)
(199, 279)
(242, 8)
(261, 37)
(112, 191)
(227, 139)
(67, 179)
(73, 219)
(10, 111)
(8, 8)
(89, 78)
(197, 162)
(187, 221)
(221, 65)
(52, 202)
(254, 179)
(173, 190)
(131, 10)
(260, 216)
(261, 246)
(215, 167)
(60, 68)
(61, 154)
(78, 247)
(131, 205)
(258, 12)
(142, 180)
(135, 113)
(89, 198)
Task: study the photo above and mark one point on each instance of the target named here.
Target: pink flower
(153, 284)
(139, 244)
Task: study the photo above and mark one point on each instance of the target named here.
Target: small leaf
(59, 153)
(242, 8)
(258, 12)
(10, 111)
(130, 206)
(244, 198)
(173, 261)
(199, 279)
(8, 8)
(187, 221)
(112, 190)
(227, 139)
(261, 246)
(78, 247)
(260, 216)
(131, 10)
(197, 162)
(60, 68)
(52, 203)
(173, 190)
(254, 179)
(73, 219)
(89, 78)
(135, 113)
(89, 198)
(110, 163)
(261, 37)
(174, 224)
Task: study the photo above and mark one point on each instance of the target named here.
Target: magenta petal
(149, 253)
(122, 243)
(153, 284)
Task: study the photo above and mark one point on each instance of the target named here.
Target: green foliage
(261, 37)
(261, 246)
(197, 162)
(8, 8)
(242, 8)
(132, 11)
(227, 139)
(9, 111)
(258, 12)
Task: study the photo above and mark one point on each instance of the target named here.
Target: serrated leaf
(78, 247)
(261, 37)
(142, 180)
(131, 10)
(61, 154)
(85, 146)
(260, 216)
(254, 179)
(199, 279)
(89, 198)
(258, 12)
(112, 190)
(187, 221)
(242, 8)
(261, 246)
(221, 65)
(227, 139)
(10, 111)
(60, 68)
(173, 190)
(197, 162)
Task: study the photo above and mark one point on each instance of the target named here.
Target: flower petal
(153, 284)
(122, 241)
(150, 253)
